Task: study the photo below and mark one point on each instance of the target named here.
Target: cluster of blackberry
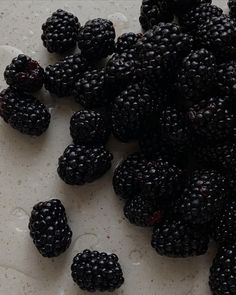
(172, 89)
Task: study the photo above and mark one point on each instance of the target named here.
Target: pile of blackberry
(170, 89)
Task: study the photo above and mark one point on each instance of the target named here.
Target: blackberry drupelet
(24, 74)
(126, 42)
(161, 50)
(130, 110)
(211, 119)
(49, 229)
(153, 12)
(61, 77)
(24, 112)
(222, 273)
(175, 238)
(226, 78)
(60, 31)
(224, 225)
(94, 271)
(128, 175)
(197, 75)
(232, 8)
(217, 35)
(174, 130)
(142, 212)
(92, 90)
(121, 70)
(80, 164)
(203, 196)
(197, 16)
(96, 39)
(89, 128)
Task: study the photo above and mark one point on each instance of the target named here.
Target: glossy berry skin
(126, 42)
(49, 229)
(61, 77)
(222, 273)
(94, 271)
(80, 164)
(24, 74)
(226, 79)
(24, 112)
(89, 128)
(203, 196)
(175, 238)
(60, 31)
(152, 12)
(197, 75)
(96, 39)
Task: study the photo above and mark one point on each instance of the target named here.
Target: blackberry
(128, 175)
(96, 39)
(175, 238)
(153, 12)
(94, 271)
(222, 273)
(89, 128)
(161, 50)
(202, 197)
(180, 6)
(129, 111)
(24, 112)
(60, 31)
(224, 225)
(49, 229)
(24, 74)
(122, 69)
(142, 212)
(91, 90)
(60, 78)
(217, 35)
(226, 78)
(80, 164)
(174, 129)
(126, 42)
(232, 8)
(211, 119)
(197, 16)
(197, 75)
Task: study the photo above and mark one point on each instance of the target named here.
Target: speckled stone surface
(28, 175)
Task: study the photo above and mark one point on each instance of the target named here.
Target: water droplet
(20, 213)
(135, 256)
(86, 240)
(120, 22)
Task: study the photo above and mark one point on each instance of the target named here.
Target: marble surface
(28, 175)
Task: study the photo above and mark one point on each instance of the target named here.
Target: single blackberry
(24, 112)
(203, 196)
(91, 90)
(222, 273)
(217, 35)
(49, 229)
(221, 155)
(129, 111)
(153, 12)
(174, 130)
(126, 42)
(94, 271)
(122, 69)
(197, 75)
(61, 77)
(211, 119)
(24, 74)
(96, 39)
(198, 15)
(142, 212)
(226, 78)
(161, 50)
(89, 128)
(175, 238)
(60, 31)
(232, 8)
(80, 164)
(224, 225)
(127, 176)
(180, 6)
